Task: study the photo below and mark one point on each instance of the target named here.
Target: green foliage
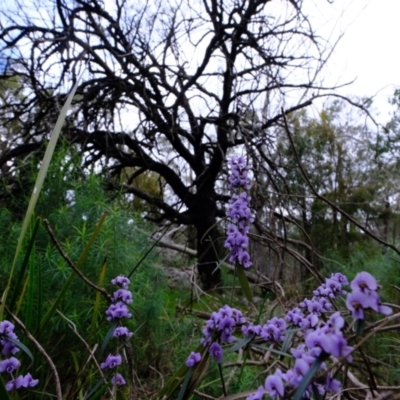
(348, 164)
(73, 207)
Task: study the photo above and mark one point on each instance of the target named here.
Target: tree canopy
(168, 88)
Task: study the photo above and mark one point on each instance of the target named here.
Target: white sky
(369, 50)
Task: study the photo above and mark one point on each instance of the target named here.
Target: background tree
(347, 161)
(167, 88)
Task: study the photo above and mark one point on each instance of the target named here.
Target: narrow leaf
(241, 343)
(288, 339)
(360, 324)
(185, 383)
(97, 301)
(20, 278)
(308, 377)
(94, 392)
(107, 338)
(244, 283)
(20, 346)
(272, 350)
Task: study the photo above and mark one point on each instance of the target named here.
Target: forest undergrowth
(79, 226)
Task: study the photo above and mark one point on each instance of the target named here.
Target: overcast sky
(369, 50)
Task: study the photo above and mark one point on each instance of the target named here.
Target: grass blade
(96, 306)
(24, 265)
(244, 283)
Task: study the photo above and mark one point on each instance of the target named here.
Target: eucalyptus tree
(167, 87)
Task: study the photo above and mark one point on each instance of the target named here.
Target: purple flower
(223, 322)
(271, 332)
(28, 381)
(332, 384)
(122, 295)
(301, 367)
(317, 341)
(111, 361)
(385, 310)
(244, 258)
(122, 332)
(294, 316)
(251, 329)
(274, 384)
(216, 351)
(280, 323)
(339, 347)
(357, 302)
(309, 322)
(6, 327)
(334, 324)
(118, 379)
(14, 384)
(340, 278)
(9, 365)
(118, 311)
(121, 281)
(364, 282)
(193, 359)
(325, 304)
(257, 395)
(292, 378)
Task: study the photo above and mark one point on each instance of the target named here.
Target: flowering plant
(318, 337)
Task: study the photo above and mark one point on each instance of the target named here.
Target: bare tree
(168, 87)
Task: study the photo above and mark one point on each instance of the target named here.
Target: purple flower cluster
(239, 177)
(325, 340)
(306, 316)
(364, 296)
(272, 331)
(219, 329)
(239, 212)
(117, 310)
(322, 338)
(11, 364)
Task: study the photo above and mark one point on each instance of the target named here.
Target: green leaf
(308, 377)
(241, 343)
(244, 283)
(288, 339)
(95, 392)
(107, 338)
(272, 350)
(185, 383)
(360, 324)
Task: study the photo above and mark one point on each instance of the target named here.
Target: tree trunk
(207, 250)
(204, 213)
